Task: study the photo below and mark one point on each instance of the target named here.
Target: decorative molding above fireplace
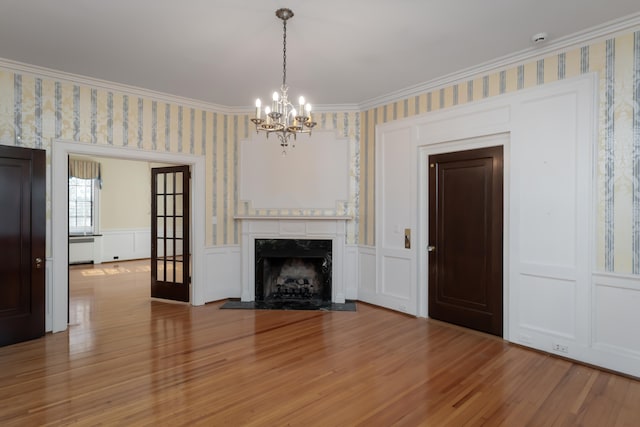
(316, 176)
(293, 228)
(294, 217)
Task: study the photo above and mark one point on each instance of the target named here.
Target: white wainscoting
(126, 244)
(616, 316)
(350, 274)
(551, 213)
(396, 204)
(223, 274)
(367, 286)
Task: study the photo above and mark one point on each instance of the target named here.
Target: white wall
(125, 198)
(312, 177)
(553, 299)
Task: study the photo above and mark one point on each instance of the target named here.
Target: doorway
(119, 219)
(57, 295)
(465, 249)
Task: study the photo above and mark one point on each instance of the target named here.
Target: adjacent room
(329, 213)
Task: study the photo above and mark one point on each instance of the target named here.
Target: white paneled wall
(551, 237)
(616, 314)
(223, 272)
(553, 299)
(124, 244)
(350, 272)
(395, 209)
(367, 274)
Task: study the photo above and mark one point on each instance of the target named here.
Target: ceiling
(228, 52)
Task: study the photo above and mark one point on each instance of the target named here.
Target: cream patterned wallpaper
(35, 111)
(617, 62)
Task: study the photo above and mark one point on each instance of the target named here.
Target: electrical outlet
(560, 348)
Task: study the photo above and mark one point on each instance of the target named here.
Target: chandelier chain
(284, 54)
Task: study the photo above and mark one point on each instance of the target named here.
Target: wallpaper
(35, 111)
(617, 62)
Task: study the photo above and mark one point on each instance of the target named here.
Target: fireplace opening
(293, 270)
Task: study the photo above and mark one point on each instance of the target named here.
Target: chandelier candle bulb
(267, 110)
(301, 104)
(258, 105)
(308, 110)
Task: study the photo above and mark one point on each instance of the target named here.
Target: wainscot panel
(125, 244)
(616, 316)
(222, 273)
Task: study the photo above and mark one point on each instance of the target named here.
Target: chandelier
(281, 117)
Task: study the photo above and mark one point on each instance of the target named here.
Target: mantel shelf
(292, 217)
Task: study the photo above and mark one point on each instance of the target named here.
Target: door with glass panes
(170, 263)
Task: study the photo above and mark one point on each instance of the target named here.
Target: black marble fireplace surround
(292, 272)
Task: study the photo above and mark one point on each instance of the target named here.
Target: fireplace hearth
(293, 271)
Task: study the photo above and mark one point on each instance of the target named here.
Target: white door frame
(59, 222)
(502, 139)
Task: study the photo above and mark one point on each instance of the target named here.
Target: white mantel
(304, 227)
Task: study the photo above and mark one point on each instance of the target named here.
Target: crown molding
(62, 76)
(42, 72)
(590, 35)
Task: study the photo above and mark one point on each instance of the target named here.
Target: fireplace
(331, 231)
(293, 271)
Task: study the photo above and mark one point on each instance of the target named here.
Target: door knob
(38, 262)
(431, 248)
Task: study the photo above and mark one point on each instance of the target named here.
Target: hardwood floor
(129, 360)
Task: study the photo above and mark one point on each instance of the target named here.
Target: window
(82, 205)
(84, 183)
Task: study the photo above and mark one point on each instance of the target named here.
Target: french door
(170, 262)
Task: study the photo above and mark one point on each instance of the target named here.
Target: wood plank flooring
(129, 360)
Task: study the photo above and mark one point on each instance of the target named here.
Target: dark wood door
(22, 244)
(170, 263)
(465, 238)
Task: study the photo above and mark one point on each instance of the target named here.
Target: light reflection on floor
(100, 293)
(97, 271)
